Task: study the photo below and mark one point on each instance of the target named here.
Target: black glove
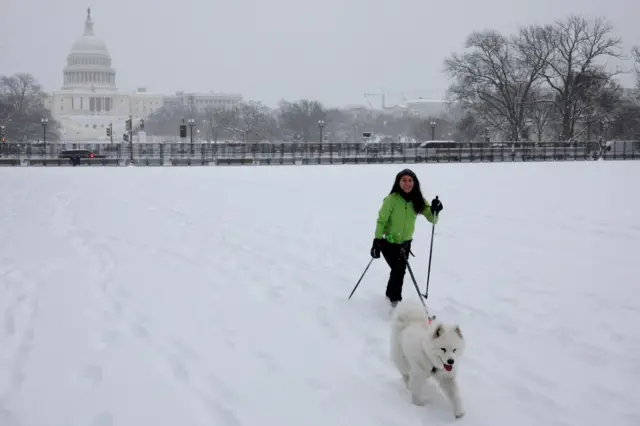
(405, 250)
(436, 206)
(375, 248)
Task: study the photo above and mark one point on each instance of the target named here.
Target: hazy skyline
(331, 51)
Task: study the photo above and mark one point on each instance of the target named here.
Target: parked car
(74, 155)
(79, 153)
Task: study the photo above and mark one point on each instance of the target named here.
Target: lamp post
(321, 127)
(44, 123)
(192, 123)
(433, 130)
(110, 133)
(129, 126)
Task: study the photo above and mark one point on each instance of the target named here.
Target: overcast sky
(331, 50)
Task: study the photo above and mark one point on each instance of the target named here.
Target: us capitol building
(89, 100)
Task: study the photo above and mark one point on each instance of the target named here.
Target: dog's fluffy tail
(407, 312)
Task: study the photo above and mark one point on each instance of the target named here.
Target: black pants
(396, 256)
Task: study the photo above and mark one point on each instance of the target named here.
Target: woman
(395, 226)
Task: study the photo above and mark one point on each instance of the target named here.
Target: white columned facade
(89, 100)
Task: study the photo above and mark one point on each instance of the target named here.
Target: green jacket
(397, 219)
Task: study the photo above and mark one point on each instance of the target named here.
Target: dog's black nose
(450, 361)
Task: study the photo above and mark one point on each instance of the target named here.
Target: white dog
(421, 350)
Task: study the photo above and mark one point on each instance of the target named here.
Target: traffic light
(2, 135)
(183, 130)
(129, 124)
(125, 137)
(108, 131)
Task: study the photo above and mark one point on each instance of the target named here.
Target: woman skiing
(395, 227)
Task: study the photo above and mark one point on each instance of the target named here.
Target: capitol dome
(89, 62)
(90, 44)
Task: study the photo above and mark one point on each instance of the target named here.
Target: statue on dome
(89, 13)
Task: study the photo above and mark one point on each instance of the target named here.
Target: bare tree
(495, 81)
(22, 92)
(338, 126)
(468, 129)
(165, 121)
(624, 122)
(271, 130)
(5, 110)
(541, 113)
(22, 107)
(636, 57)
(250, 120)
(394, 126)
(576, 44)
(421, 129)
(596, 99)
(219, 121)
(360, 121)
(301, 118)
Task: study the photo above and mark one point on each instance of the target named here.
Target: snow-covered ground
(218, 296)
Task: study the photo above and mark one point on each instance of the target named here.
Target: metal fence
(221, 154)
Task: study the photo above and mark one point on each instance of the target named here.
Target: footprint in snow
(104, 418)
(117, 307)
(140, 331)
(7, 418)
(223, 415)
(108, 338)
(9, 322)
(125, 294)
(221, 388)
(184, 350)
(178, 369)
(93, 374)
(268, 360)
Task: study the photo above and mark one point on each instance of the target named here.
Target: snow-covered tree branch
(22, 107)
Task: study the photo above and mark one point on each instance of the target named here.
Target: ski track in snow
(219, 296)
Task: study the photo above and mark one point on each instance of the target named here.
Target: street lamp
(321, 127)
(192, 123)
(433, 130)
(44, 123)
(129, 128)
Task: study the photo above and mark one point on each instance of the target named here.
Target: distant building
(421, 107)
(199, 102)
(89, 100)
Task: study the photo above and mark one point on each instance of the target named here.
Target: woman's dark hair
(415, 196)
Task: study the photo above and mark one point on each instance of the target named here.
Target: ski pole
(433, 228)
(361, 277)
(415, 284)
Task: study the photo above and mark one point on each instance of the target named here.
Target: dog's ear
(458, 331)
(439, 331)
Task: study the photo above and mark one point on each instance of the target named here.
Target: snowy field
(218, 296)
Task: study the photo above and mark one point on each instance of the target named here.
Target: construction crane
(400, 96)
(382, 99)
